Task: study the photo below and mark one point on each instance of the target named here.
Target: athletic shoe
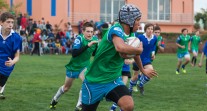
(78, 108)
(53, 104)
(141, 89)
(184, 71)
(177, 72)
(135, 89)
(2, 96)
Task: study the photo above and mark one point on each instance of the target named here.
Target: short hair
(6, 15)
(157, 27)
(87, 24)
(148, 25)
(184, 30)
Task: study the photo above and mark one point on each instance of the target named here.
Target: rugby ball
(132, 41)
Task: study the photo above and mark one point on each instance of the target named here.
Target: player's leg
(206, 64)
(79, 105)
(70, 76)
(3, 80)
(144, 79)
(125, 76)
(187, 60)
(133, 80)
(194, 58)
(1, 92)
(179, 56)
(121, 96)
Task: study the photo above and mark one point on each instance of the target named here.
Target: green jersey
(159, 39)
(79, 62)
(183, 41)
(195, 40)
(107, 63)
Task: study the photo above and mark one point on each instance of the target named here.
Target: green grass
(35, 80)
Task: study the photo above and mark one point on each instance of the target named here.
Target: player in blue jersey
(204, 52)
(103, 76)
(84, 47)
(149, 41)
(10, 47)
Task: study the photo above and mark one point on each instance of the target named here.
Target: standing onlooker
(194, 43)
(182, 51)
(202, 56)
(10, 47)
(24, 22)
(36, 42)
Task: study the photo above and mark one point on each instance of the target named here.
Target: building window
(53, 7)
(159, 10)
(29, 7)
(110, 9)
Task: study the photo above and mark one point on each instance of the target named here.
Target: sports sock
(59, 93)
(131, 84)
(2, 89)
(183, 66)
(79, 98)
(195, 61)
(178, 70)
(114, 106)
(143, 80)
(193, 58)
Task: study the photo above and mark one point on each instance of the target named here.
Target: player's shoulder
(16, 36)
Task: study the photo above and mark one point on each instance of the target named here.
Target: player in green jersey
(195, 41)
(103, 77)
(182, 51)
(83, 47)
(160, 43)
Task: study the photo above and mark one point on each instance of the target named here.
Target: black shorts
(135, 67)
(3, 79)
(126, 73)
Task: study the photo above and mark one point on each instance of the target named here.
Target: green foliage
(36, 79)
(203, 16)
(3, 5)
(204, 37)
(197, 26)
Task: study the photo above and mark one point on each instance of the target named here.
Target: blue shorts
(181, 55)
(94, 92)
(71, 74)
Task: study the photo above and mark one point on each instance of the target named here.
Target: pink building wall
(182, 13)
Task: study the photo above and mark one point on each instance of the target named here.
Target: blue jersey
(205, 49)
(149, 47)
(8, 48)
(126, 67)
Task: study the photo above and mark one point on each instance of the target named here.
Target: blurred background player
(149, 41)
(10, 47)
(194, 43)
(204, 52)
(160, 42)
(83, 48)
(182, 51)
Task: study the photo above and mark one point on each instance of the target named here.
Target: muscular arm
(121, 47)
(77, 52)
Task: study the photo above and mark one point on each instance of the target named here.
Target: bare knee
(66, 87)
(126, 103)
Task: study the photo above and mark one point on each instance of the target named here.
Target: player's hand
(150, 73)
(9, 63)
(200, 65)
(183, 47)
(153, 57)
(92, 42)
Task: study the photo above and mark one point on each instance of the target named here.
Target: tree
(3, 5)
(202, 16)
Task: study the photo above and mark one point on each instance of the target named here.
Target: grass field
(36, 79)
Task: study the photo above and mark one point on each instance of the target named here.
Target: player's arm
(177, 43)
(189, 43)
(121, 47)
(11, 62)
(148, 72)
(153, 50)
(161, 45)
